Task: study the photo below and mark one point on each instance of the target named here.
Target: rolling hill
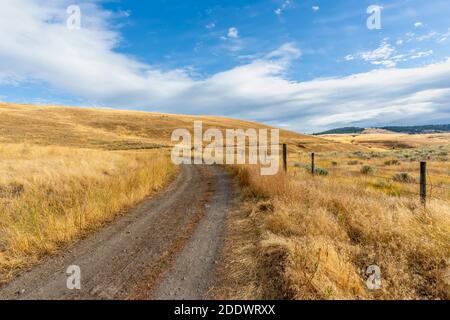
(110, 129)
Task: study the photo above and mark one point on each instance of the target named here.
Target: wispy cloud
(283, 7)
(233, 33)
(388, 56)
(436, 36)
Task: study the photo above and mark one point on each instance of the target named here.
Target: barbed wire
(396, 181)
(352, 173)
(430, 176)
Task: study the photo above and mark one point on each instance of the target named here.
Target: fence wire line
(351, 171)
(392, 179)
(407, 192)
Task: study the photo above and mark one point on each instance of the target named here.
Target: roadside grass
(51, 196)
(314, 238)
(394, 172)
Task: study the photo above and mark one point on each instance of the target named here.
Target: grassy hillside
(391, 140)
(121, 130)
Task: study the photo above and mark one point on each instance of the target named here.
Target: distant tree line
(345, 130)
(401, 129)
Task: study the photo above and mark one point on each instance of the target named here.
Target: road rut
(165, 248)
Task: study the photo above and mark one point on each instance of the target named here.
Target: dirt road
(165, 248)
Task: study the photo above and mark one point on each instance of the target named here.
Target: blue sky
(299, 64)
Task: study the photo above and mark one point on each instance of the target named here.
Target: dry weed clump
(51, 196)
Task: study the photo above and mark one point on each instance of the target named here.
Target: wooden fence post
(313, 165)
(285, 157)
(423, 181)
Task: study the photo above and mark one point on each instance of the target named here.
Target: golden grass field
(390, 140)
(305, 237)
(67, 171)
(51, 196)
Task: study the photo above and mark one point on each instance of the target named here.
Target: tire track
(150, 252)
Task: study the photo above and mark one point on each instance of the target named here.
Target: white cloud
(388, 56)
(211, 25)
(443, 37)
(421, 54)
(84, 63)
(428, 36)
(418, 24)
(349, 57)
(380, 56)
(233, 33)
(438, 37)
(381, 53)
(283, 7)
(315, 8)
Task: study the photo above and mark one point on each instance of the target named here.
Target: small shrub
(367, 170)
(403, 177)
(380, 184)
(392, 163)
(361, 155)
(321, 172)
(386, 187)
(317, 171)
(352, 163)
(12, 190)
(334, 163)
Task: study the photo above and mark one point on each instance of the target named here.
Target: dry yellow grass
(390, 140)
(123, 130)
(313, 238)
(51, 196)
(67, 171)
(301, 237)
(394, 172)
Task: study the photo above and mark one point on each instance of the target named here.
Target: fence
(425, 185)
